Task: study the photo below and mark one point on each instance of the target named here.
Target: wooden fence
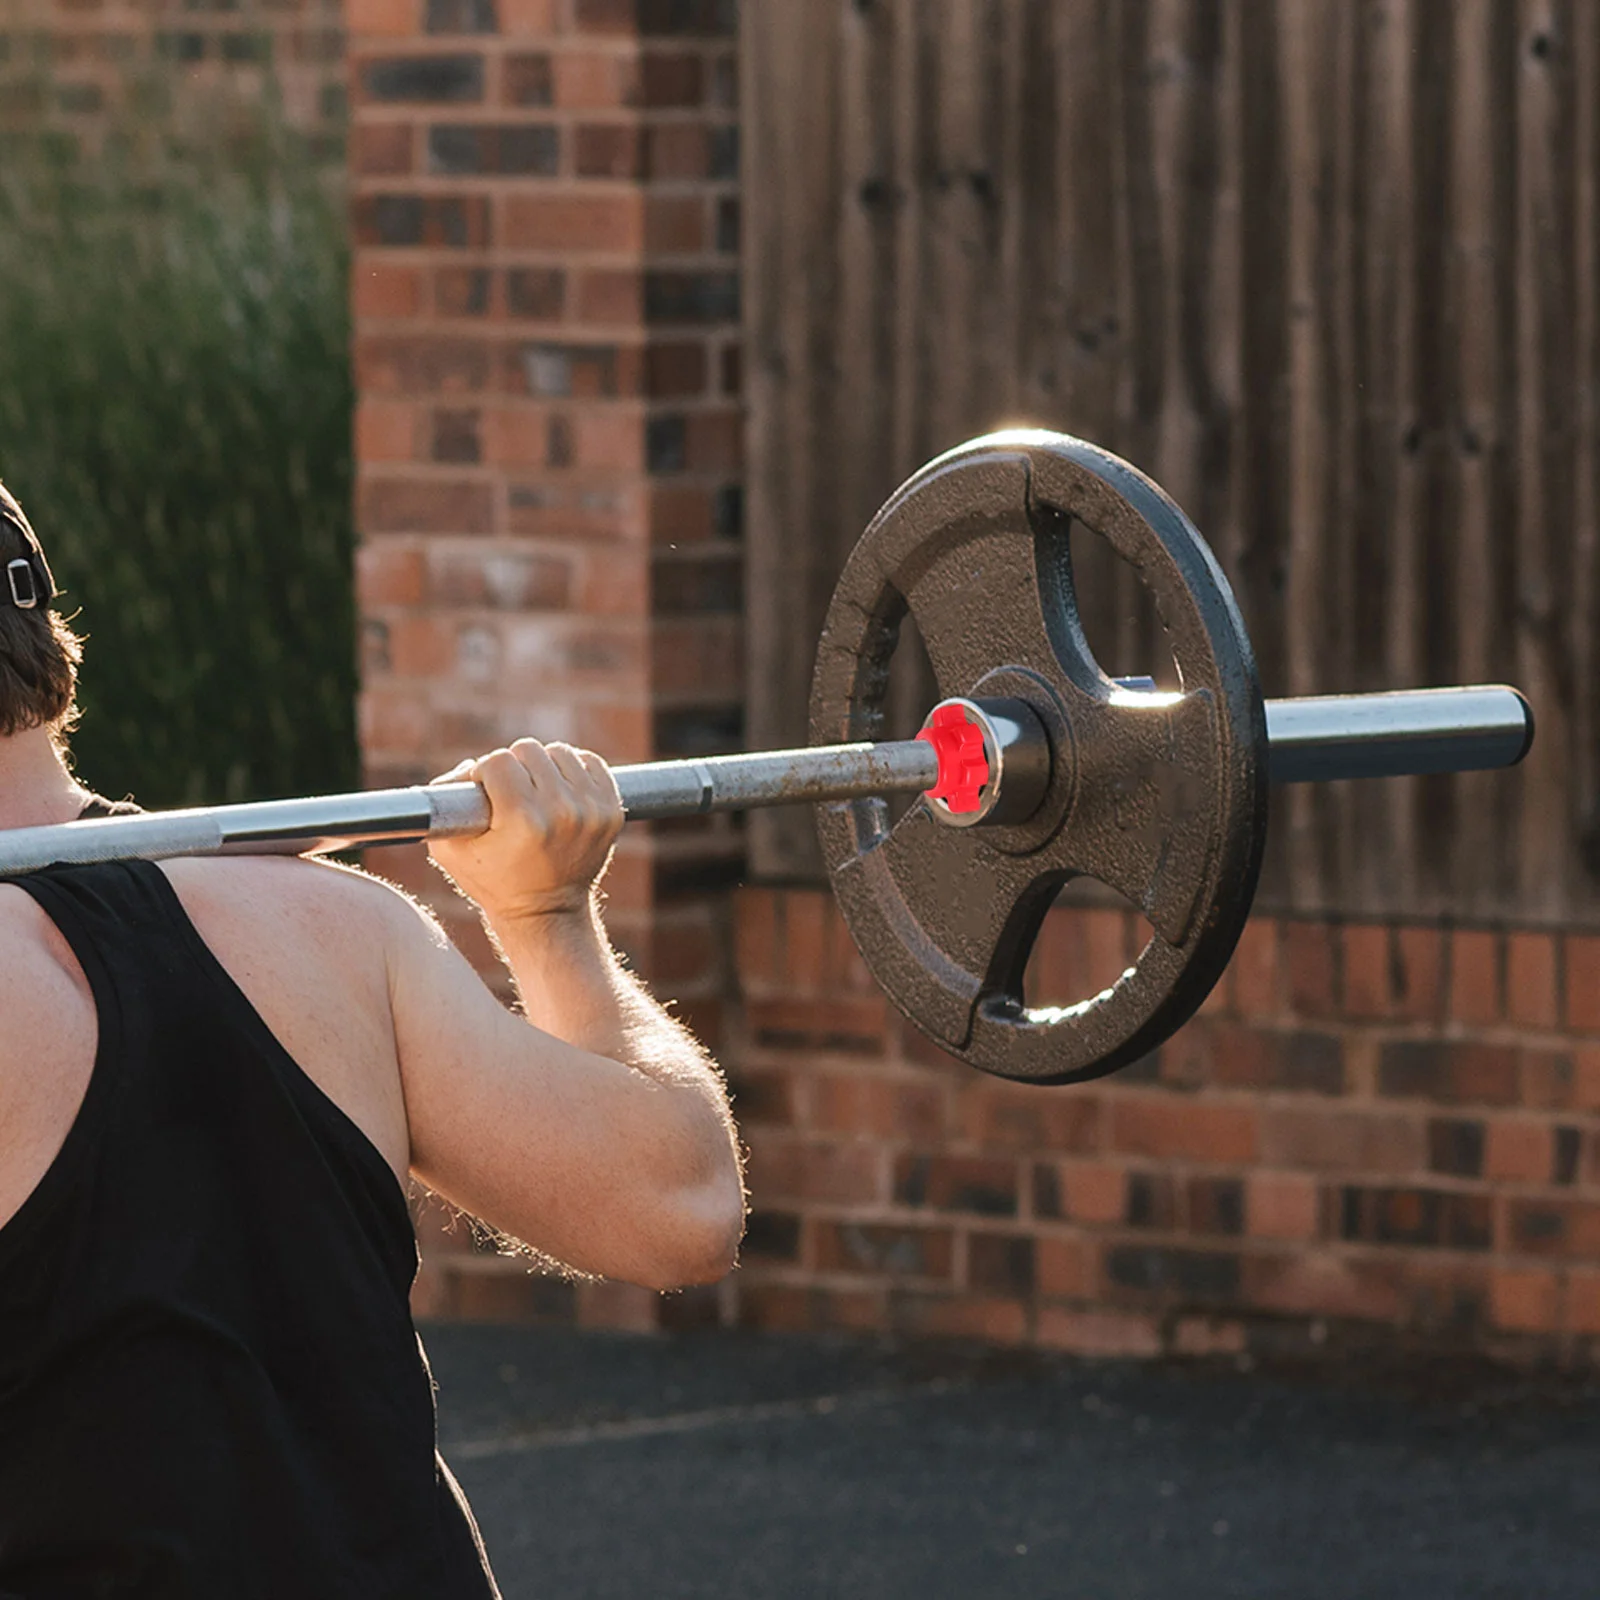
(1328, 269)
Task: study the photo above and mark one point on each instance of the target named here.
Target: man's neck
(36, 788)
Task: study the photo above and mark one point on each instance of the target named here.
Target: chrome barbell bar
(1314, 739)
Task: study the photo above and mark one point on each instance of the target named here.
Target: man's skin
(594, 1129)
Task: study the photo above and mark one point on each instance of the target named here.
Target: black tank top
(210, 1384)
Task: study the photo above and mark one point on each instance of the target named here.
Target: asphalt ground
(764, 1467)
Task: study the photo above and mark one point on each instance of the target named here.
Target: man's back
(304, 942)
(208, 1378)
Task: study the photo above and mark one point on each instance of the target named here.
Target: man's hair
(39, 652)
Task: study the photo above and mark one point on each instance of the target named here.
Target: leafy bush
(175, 406)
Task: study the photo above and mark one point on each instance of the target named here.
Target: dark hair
(39, 652)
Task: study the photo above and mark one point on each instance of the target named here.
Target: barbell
(1034, 768)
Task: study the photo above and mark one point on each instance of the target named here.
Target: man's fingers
(460, 771)
(568, 764)
(601, 776)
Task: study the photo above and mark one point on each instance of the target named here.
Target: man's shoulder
(340, 915)
(268, 883)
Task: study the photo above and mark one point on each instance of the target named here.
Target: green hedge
(175, 404)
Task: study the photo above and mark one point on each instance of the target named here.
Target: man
(215, 1078)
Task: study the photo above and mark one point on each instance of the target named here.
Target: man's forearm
(573, 985)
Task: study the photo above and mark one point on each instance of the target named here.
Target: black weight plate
(1161, 797)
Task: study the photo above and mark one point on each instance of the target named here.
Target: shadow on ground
(728, 1464)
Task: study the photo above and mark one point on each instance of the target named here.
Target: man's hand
(555, 814)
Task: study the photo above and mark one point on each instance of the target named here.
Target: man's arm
(596, 1129)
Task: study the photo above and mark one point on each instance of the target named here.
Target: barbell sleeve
(1407, 732)
(1313, 739)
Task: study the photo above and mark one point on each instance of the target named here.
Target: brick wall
(1371, 1132)
(78, 68)
(546, 296)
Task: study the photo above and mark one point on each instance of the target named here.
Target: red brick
(1001, 1263)
(421, 364)
(586, 81)
(422, 646)
(1586, 1078)
(1064, 1266)
(990, 1319)
(674, 368)
(1255, 968)
(1219, 1002)
(1318, 1284)
(1337, 1140)
(386, 431)
(621, 1306)
(1092, 1192)
(606, 149)
(1106, 942)
(462, 291)
(1167, 1129)
(383, 149)
(610, 439)
(1548, 1079)
(1449, 1072)
(1583, 1303)
(674, 224)
(574, 222)
(756, 938)
(606, 17)
(1003, 1116)
(426, 505)
(885, 1250)
(1310, 960)
(509, 1297)
(382, 18)
(854, 1026)
(676, 79)
(380, 290)
(1418, 955)
(803, 917)
(526, 19)
(1366, 969)
(1098, 1333)
(1475, 976)
(1569, 1228)
(887, 1109)
(388, 574)
(1302, 1060)
(1517, 1152)
(1524, 1300)
(1531, 999)
(1582, 954)
(764, 1095)
(394, 726)
(784, 1168)
(716, 441)
(956, 1183)
(680, 514)
(1209, 1336)
(796, 1308)
(1282, 1205)
(677, 150)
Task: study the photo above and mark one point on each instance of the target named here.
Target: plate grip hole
(963, 767)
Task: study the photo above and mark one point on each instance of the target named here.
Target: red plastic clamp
(963, 766)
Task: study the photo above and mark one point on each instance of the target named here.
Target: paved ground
(766, 1468)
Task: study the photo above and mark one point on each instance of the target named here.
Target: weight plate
(1163, 797)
